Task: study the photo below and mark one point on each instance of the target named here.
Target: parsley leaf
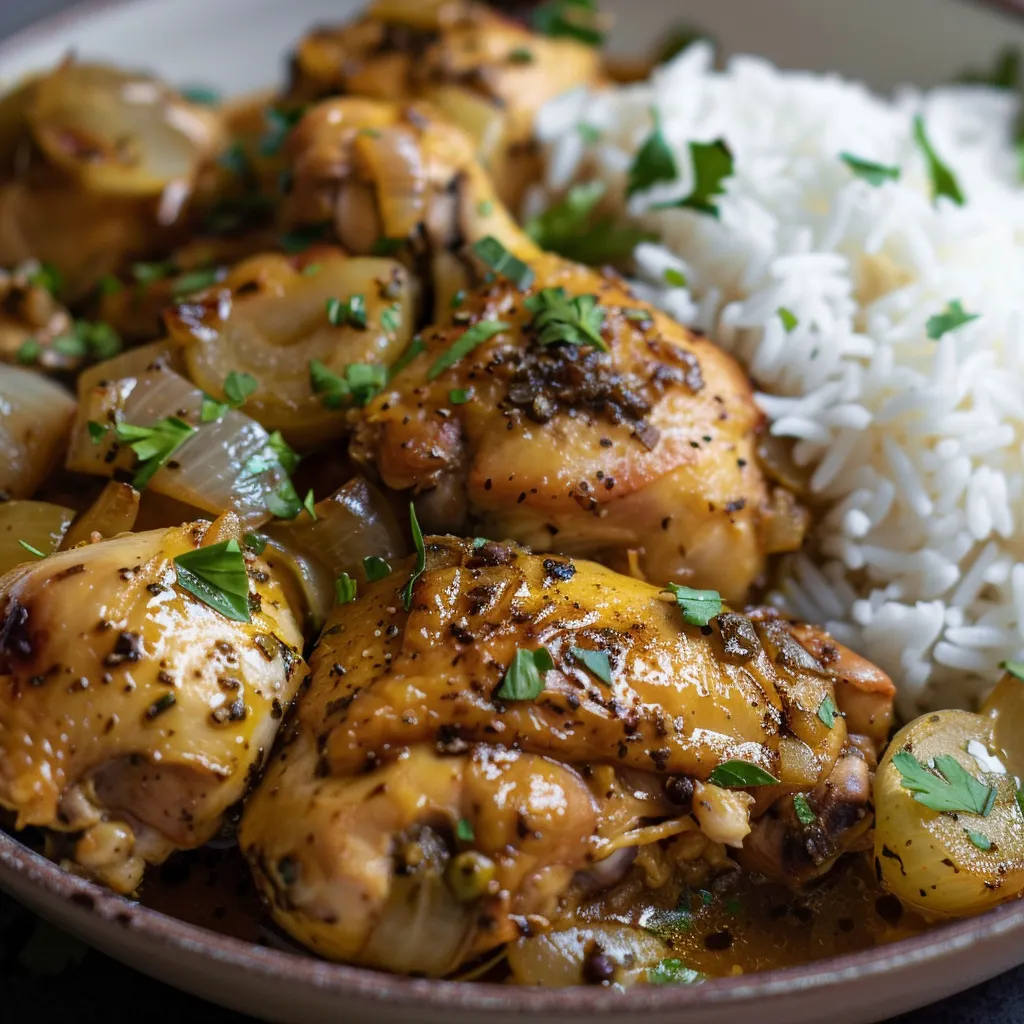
(874, 174)
(672, 971)
(596, 662)
(421, 558)
(195, 281)
(739, 774)
(572, 19)
(279, 125)
(654, 161)
(566, 219)
(674, 277)
(524, 679)
(31, 550)
(952, 317)
(712, 165)
(362, 381)
(827, 711)
(344, 589)
(238, 387)
(558, 319)
(980, 841)
(255, 543)
(788, 318)
(1015, 668)
(97, 431)
(464, 344)
(491, 252)
(803, 810)
(376, 568)
(953, 789)
(217, 576)
(944, 182)
(29, 351)
(211, 410)
(48, 277)
(286, 455)
(351, 312)
(88, 340)
(464, 831)
(309, 504)
(391, 318)
(154, 445)
(460, 396)
(699, 607)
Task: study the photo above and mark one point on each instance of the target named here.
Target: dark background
(46, 976)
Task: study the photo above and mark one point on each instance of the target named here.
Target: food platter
(277, 982)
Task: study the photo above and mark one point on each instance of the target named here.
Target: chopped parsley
(391, 318)
(458, 298)
(87, 340)
(951, 318)
(309, 504)
(202, 95)
(376, 568)
(740, 774)
(279, 124)
(109, 285)
(460, 396)
(524, 679)
(699, 607)
(465, 343)
(148, 273)
(350, 313)
(31, 550)
(29, 351)
(827, 711)
(48, 277)
(980, 841)
(874, 174)
(712, 165)
(345, 589)
(195, 281)
(255, 542)
(1015, 668)
(654, 161)
(387, 246)
(421, 558)
(97, 431)
(464, 831)
(362, 381)
(491, 252)
(596, 662)
(521, 55)
(558, 319)
(803, 810)
(952, 789)
(674, 278)
(672, 971)
(238, 387)
(302, 238)
(218, 577)
(286, 455)
(944, 182)
(788, 318)
(571, 19)
(154, 445)
(568, 218)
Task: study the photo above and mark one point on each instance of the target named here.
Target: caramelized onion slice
(35, 417)
(120, 132)
(113, 512)
(270, 318)
(38, 524)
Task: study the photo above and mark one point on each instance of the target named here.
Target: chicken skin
(574, 417)
(422, 781)
(133, 714)
(486, 73)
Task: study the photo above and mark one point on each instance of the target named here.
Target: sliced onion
(208, 471)
(35, 417)
(38, 523)
(128, 364)
(113, 512)
(269, 319)
(119, 132)
(393, 160)
(481, 119)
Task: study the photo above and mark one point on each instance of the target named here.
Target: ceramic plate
(237, 45)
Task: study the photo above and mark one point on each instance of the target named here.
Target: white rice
(916, 446)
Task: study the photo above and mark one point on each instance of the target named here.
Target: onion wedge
(28, 527)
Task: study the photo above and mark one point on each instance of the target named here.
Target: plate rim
(397, 991)
(394, 990)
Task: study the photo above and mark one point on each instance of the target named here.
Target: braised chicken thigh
(477, 735)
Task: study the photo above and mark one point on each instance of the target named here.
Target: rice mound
(915, 446)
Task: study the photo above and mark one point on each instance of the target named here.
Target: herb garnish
(558, 319)
(279, 125)
(739, 774)
(1015, 668)
(464, 831)
(944, 182)
(97, 431)
(596, 662)
(491, 252)
(217, 576)
(391, 318)
(654, 161)
(238, 387)
(194, 281)
(376, 568)
(255, 542)
(674, 278)
(201, 95)
(573, 19)
(803, 810)
(521, 55)
(109, 285)
(344, 589)
(362, 381)
(980, 841)
(154, 445)
(672, 971)
(699, 607)
(87, 340)
(460, 396)
(421, 558)
(952, 317)
(31, 550)
(788, 318)
(147, 273)
(465, 343)
(351, 312)
(952, 789)
(286, 455)
(712, 165)
(524, 679)
(827, 711)
(874, 174)
(48, 277)
(302, 238)
(29, 351)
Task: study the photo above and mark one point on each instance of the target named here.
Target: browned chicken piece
(112, 153)
(547, 403)
(132, 713)
(486, 73)
(446, 784)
